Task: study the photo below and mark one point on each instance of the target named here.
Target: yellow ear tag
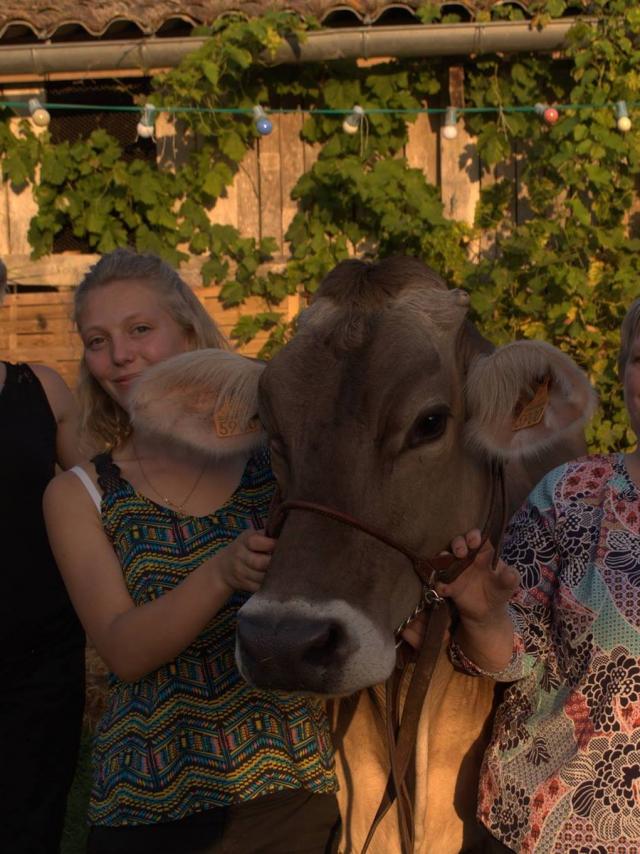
(531, 413)
(226, 423)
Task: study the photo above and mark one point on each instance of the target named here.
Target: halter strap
(441, 567)
(402, 730)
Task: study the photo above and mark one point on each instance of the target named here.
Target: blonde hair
(628, 332)
(102, 419)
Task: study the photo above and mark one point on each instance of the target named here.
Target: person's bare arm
(481, 595)
(134, 640)
(65, 411)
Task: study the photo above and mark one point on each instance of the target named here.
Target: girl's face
(125, 328)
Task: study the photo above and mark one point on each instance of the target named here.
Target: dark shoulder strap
(19, 373)
(22, 383)
(109, 476)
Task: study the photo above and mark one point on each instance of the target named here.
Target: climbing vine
(565, 269)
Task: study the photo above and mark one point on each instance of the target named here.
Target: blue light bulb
(263, 123)
(264, 126)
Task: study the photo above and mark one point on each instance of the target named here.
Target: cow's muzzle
(317, 649)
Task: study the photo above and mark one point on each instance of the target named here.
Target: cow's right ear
(524, 398)
(207, 399)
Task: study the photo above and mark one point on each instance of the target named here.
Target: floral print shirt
(562, 772)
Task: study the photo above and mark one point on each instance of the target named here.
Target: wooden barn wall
(37, 326)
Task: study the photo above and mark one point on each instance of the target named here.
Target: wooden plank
(174, 142)
(460, 175)
(5, 233)
(422, 146)
(65, 269)
(37, 327)
(46, 341)
(292, 165)
(248, 195)
(270, 188)
(459, 164)
(39, 324)
(21, 203)
(311, 153)
(225, 210)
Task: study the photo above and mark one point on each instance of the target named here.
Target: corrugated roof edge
(97, 20)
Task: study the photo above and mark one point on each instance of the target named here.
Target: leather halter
(402, 729)
(430, 570)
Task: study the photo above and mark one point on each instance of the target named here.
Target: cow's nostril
(328, 643)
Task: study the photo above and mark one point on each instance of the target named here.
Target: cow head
(387, 406)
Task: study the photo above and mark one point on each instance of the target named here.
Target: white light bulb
(450, 127)
(145, 131)
(146, 126)
(352, 122)
(623, 122)
(350, 127)
(39, 116)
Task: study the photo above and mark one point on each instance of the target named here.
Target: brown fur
(384, 347)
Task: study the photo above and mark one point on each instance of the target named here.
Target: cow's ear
(207, 399)
(524, 398)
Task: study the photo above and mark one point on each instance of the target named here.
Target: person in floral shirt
(558, 621)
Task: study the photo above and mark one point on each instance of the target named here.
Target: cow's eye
(427, 428)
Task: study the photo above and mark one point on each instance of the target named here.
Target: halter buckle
(430, 596)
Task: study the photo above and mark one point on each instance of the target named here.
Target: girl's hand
(482, 592)
(242, 565)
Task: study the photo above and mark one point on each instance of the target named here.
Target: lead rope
(402, 735)
(402, 730)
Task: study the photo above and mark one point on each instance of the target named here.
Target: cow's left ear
(524, 398)
(207, 399)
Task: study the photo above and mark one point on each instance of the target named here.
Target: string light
(549, 114)
(353, 116)
(39, 116)
(450, 128)
(623, 122)
(262, 122)
(147, 125)
(351, 124)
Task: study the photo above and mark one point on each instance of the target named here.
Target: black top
(34, 606)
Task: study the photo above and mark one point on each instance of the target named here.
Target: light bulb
(146, 126)
(548, 114)
(263, 123)
(39, 116)
(450, 127)
(623, 122)
(352, 122)
(144, 131)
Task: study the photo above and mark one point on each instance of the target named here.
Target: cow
(389, 409)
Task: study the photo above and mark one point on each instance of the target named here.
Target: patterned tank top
(192, 735)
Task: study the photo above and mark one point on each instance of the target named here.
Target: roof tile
(46, 17)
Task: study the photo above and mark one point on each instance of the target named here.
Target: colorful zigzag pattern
(193, 735)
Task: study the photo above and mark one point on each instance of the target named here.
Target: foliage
(565, 270)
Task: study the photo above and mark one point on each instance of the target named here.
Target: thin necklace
(179, 507)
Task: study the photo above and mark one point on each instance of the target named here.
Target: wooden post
(248, 180)
(269, 164)
(421, 149)
(19, 204)
(459, 162)
(291, 164)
